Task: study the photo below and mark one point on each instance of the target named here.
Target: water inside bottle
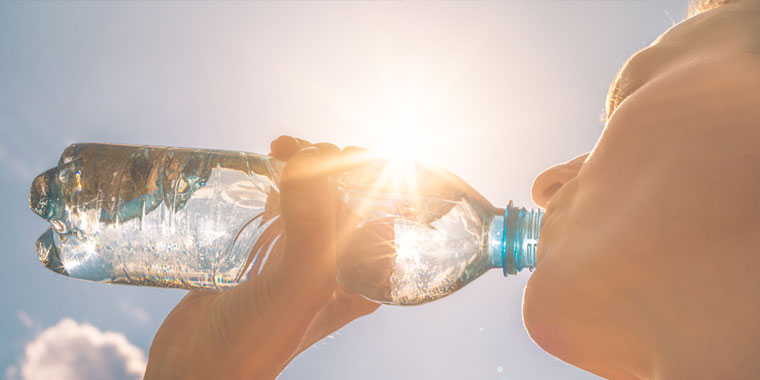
(172, 217)
(170, 221)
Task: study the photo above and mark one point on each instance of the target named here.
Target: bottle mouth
(48, 253)
(515, 239)
(41, 195)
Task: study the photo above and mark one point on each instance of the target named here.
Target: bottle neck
(513, 239)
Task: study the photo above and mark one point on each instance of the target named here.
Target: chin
(557, 314)
(550, 325)
(540, 314)
(567, 311)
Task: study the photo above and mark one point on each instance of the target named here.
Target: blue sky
(493, 91)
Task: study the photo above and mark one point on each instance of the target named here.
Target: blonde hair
(698, 6)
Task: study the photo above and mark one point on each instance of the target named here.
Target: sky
(493, 91)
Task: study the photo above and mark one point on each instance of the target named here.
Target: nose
(551, 180)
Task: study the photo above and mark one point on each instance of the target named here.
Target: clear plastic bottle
(209, 219)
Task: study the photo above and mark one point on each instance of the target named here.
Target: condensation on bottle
(210, 219)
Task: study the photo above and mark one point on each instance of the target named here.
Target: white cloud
(22, 168)
(26, 320)
(70, 350)
(11, 373)
(135, 311)
(17, 165)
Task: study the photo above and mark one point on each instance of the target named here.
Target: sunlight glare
(405, 138)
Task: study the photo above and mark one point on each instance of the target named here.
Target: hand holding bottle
(255, 329)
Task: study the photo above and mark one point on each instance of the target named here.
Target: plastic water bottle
(209, 219)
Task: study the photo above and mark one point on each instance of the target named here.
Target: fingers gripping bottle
(210, 219)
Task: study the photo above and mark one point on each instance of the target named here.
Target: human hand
(255, 329)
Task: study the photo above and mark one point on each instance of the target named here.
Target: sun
(403, 145)
(405, 136)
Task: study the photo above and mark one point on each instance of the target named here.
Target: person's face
(642, 236)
